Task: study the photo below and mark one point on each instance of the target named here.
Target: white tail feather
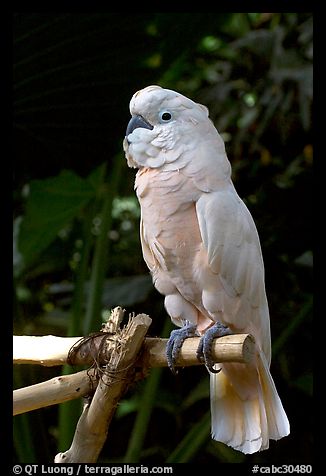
(278, 423)
(247, 420)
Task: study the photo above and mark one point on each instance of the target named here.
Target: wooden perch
(232, 348)
(43, 350)
(113, 355)
(51, 392)
(92, 427)
(51, 350)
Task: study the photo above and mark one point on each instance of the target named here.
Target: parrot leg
(204, 351)
(176, 339)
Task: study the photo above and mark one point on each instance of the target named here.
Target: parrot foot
(204, 351)
(176, 339)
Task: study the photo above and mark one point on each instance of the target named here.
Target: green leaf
(192, 442)
(305, 383)
(258, 42)
(127, 406)
(224, 453)
(97, 176)
(51, 205)
(23, 443)
(200, 391)
(126, 291)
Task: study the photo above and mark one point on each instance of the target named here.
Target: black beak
(135, 122)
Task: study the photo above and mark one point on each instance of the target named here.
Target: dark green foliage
(52, 204)
(77, 251)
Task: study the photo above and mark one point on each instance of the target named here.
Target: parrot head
(163, 127)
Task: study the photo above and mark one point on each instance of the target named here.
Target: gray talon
(176, 339)
(204, 350)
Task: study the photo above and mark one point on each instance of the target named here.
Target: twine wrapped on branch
(115, 356)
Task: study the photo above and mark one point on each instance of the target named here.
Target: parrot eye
(165, 116)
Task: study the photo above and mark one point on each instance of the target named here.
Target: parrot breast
(171, 238)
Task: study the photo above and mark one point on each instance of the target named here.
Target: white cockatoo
(203, 251)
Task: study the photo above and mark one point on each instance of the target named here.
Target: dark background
(74, 205)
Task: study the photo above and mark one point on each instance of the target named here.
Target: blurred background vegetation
(76, 245)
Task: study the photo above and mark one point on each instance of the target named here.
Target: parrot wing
(232, 244)
(246, 409)
(147, 254)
